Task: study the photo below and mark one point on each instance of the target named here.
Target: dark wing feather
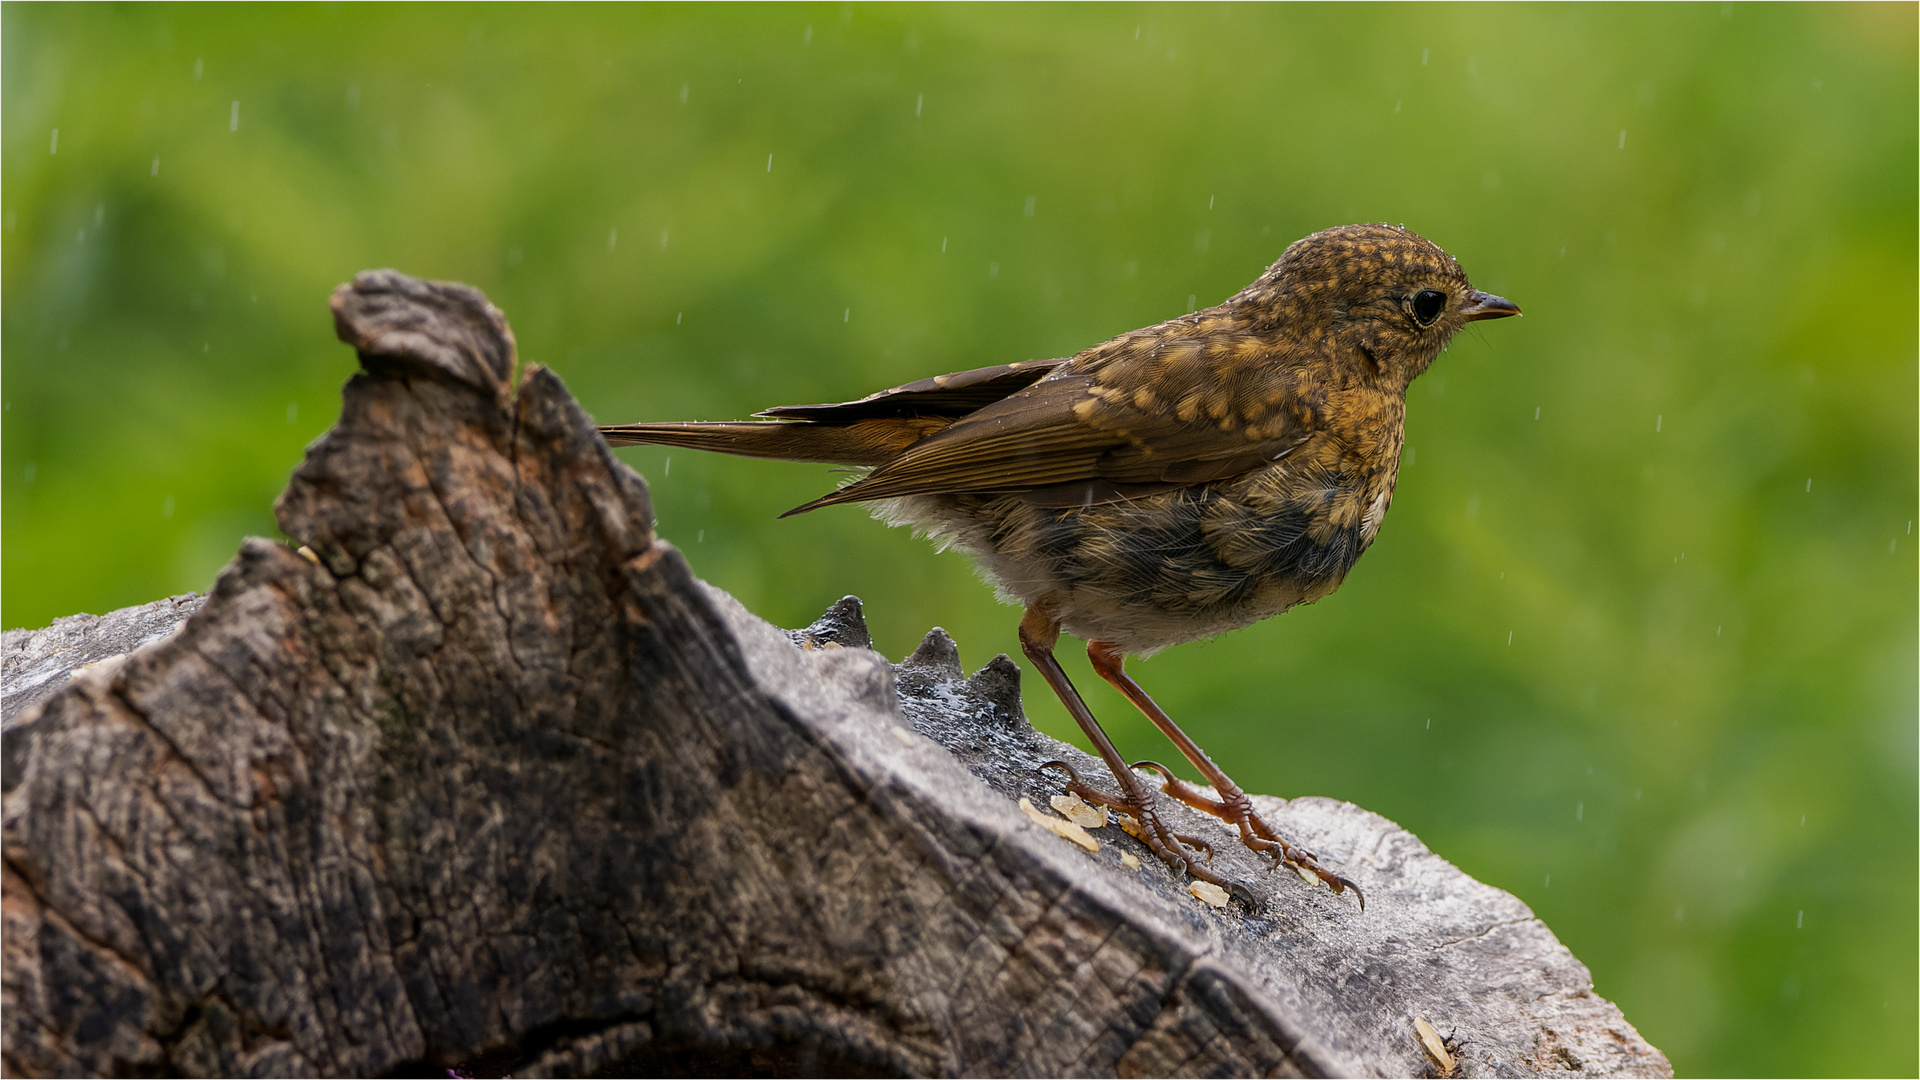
(957, 394)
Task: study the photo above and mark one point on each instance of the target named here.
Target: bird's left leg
(1038, 633)
(1233, 806)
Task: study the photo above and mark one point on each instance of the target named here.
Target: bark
(484, 779)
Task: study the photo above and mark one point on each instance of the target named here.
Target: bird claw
(1088, 792)
(1333, 881)
(1256, 834)
(1168, 846)
(1196, 842)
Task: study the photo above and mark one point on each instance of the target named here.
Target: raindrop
(1210, 199)
(166, 508)
(233, 117)
(1396, 106)
(1717, 629)
(1803, 821)
(54, 147)
(1429, 723)
(1623, 138)
(1658, 420)
(1548, 883)
(667, 469)
(293, 411)
(1423, 58)
(1579, 811)
(664, 233)
(353, 95)
(1536, 412)
(1799, 918)
(80, 237)
(1136, 33)
(677, 316)
(993, 269)
(769, 162)
(919, 103)
(700, 537)
(199, 67)
(613, 237)
(1809, 485)
(1680, 913)
(684, 87)
(1203, 239)
(943, 245)
(805, 39)
(846, 316)
(156, 168)
(1029, 206)
(1509, 637)
(32, 470)
(1636, 794)
(1190, 299)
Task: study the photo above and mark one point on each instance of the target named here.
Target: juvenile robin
(1174, 483)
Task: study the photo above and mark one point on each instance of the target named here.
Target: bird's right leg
(1038, 633)
(1233, 805)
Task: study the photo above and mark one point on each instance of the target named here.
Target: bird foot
(1171, 847)
(1237, 810)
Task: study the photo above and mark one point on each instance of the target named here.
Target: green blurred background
(1637, 642)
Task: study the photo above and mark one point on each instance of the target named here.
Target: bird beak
(1488, 306)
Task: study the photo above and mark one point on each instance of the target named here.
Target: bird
(1177, 482)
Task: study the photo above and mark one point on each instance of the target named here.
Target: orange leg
(1038, 633)
(1233, 806)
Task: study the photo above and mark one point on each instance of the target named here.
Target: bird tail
(871, 442)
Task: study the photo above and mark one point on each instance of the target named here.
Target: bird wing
(1208, 412)
(957, 394)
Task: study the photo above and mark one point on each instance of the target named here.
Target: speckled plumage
(1176, 482)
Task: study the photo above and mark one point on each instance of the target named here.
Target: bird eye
(1427, 305)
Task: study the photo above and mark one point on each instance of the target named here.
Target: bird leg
(1233, 806)
(1038, 633)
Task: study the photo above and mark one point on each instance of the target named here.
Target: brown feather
(867, 442)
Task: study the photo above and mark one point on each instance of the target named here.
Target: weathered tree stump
(485, 779)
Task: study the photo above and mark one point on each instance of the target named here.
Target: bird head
(1385, 299)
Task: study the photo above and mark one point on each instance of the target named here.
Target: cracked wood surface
(486, 780)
